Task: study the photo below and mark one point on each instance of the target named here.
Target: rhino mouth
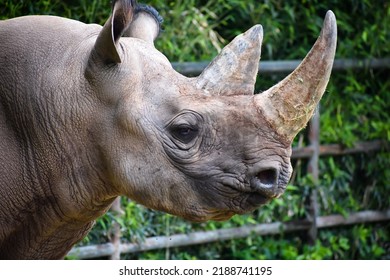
(250, 201)
(220, 217)
(243, 204)
(236, 202)
(257, 199)
(259, 190)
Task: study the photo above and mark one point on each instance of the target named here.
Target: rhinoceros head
(205, 147)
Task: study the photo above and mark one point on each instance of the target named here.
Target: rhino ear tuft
(113, 29)
(146, 24)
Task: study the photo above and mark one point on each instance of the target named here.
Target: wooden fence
(312, 153)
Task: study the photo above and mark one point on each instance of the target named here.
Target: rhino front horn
(289, 105)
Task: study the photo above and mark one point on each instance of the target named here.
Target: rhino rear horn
(113, 29)
(234, 70)
(146, 24)
(289, 105)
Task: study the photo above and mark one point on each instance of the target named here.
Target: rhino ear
(107, 41)
(146, 24)
(234, 70)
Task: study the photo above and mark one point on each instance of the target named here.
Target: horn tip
(329, 31)
(330, 15)
(256, 31)
(330, 25)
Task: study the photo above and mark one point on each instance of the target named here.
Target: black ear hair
(153, 12)
(146, 24)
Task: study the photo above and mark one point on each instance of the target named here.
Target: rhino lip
(222, 216)
(257, 199)
(253, 194)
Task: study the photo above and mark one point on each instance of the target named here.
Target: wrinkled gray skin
(87, 115)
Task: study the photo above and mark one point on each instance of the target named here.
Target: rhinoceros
(89, 113)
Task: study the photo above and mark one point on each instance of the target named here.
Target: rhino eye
(184, 133)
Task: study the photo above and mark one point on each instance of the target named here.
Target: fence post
(116, 229)
(313, 169)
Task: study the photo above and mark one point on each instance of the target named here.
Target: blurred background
(337, 205)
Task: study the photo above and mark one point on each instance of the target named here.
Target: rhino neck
(55, 206)
(27, 242)
(62, 185)
(46, 119)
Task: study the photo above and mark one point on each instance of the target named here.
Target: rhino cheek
(176, 200)
(155, 187)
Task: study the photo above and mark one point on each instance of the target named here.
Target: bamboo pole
(277, 67)
(116, 230)
(338, 150)
(313, 169)
(195, 238)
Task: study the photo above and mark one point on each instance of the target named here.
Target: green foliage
(96, 11)
(355, 108)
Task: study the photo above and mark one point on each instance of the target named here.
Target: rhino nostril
(268, 177)
(265, 183)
